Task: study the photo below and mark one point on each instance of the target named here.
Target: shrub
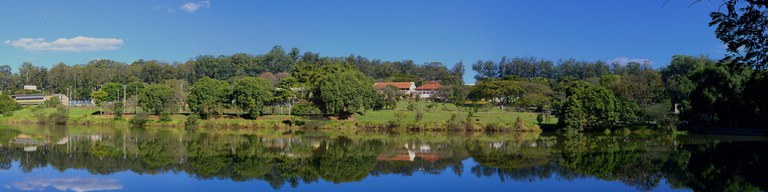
(399, 116)
(453, 122)
(626, 131)
(60, 116)
(314, 124)
(37, 112)
(540, 118)
(431, 105)
(519, 125)
(139, 120)
(8, 105)
(52, 102)
(492, 127)
(419, 114)
(303, 108)
(165, 116)
(191, 122)
(117, 109)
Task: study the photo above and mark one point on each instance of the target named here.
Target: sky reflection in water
(108, 159)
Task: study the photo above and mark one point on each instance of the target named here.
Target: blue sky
(74, 32)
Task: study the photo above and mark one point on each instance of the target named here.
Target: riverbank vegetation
(691, 91)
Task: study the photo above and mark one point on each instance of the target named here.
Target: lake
(34, 158)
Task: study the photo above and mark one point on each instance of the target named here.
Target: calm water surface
(125, 159)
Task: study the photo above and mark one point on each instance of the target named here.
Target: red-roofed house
(405, 87)
(428, 89)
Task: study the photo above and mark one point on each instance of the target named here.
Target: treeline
(80, 80)
(585, 95)
(690, 91)
(530, 67)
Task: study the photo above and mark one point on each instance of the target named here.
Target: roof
(432, 85)
(399, 85)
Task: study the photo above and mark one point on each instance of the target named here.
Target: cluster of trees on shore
(585, 95)
(696, 91)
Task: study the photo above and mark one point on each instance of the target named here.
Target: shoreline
(242, 124)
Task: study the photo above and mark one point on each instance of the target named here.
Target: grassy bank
(436, 117)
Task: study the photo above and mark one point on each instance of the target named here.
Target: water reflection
(643, 162)
(67, 184)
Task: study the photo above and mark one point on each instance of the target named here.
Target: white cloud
(625, 60)
(191, 7)
(67, 184)
(75, 44)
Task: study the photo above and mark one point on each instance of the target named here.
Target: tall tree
(502, 92)
(743, 27)
(252, 94)
(114, 91)
(588, 107)
(285, 93)
(344, 92)
(209, 96)
(7, 105)
(99, 97)
(157, 99)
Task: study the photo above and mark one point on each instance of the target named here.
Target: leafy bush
(191, 122)
(490, 127)
(303, 108)
(399, 116)
(117, 109)
(52, 102)
(540, 118)
(419, 114)
(411, 106)
(38, 113)
(60, 116)
(8, 105)
(454, 123)
(139, 120)
(165, 116)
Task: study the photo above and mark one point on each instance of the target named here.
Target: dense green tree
(7, 105)
(209, 96)
(743, 28)
(133, 88)
(157, 98)
(456, 94)
(52, 102)
(485, 69)
(588, 107)
(733, 93)
(343, 92)
(500, 91)
(33, 75)
(114, 91)
(252, 94)
(285, 93)
(277, 60)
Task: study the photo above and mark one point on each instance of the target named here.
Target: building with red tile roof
(428, 89)
(405, 87)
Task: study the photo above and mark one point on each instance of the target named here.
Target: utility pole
(181, 90)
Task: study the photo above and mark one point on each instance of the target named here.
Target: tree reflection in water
(695, 162)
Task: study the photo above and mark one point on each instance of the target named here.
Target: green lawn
(77, 112)
(438, 112)
(443, 112)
